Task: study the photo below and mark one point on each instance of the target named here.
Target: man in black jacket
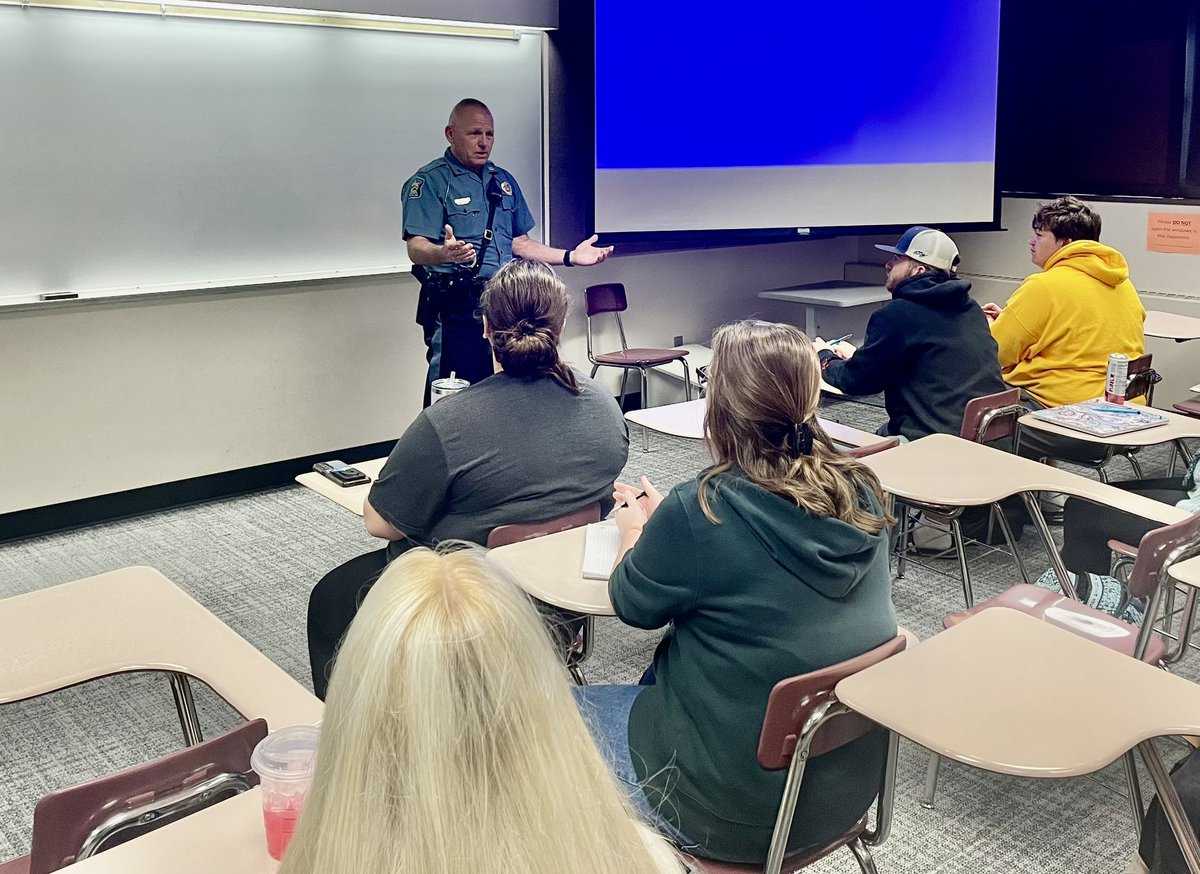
(928, 350)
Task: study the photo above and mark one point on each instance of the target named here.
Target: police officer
(463, 218)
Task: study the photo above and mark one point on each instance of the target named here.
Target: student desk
(827, 294)
(1171, 326)
(1186, 572)
(687, 420)
(135, 619)
(351, 498)
(550, 568)
(942, 469)
(1005, 692)
(228, 838)
(1178, 427)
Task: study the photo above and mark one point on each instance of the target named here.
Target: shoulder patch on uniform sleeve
(414, 187)
(506, 188)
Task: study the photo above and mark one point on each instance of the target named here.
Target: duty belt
(445, 281)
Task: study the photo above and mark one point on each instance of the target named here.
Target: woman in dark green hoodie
(772, 563)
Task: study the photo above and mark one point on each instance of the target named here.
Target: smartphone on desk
(341, 473)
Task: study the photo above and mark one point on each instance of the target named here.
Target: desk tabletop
(1005, 692)
(1171, 326)
(351, 498)
(1186, 572)
(1177, 426)
(833, 296)
(550, 568)
(687, 420)
(227, 837)
(943, 469)
(135, 619)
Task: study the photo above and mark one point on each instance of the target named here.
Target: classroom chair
(804, 719)
(872, 448)
(610, 298)
(1158, 550)
(986, 419)
(574, 631)
(1190, 407)
(71, 824)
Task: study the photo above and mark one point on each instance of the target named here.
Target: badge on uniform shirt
(506, 188)
(461, 201)
(414, 188)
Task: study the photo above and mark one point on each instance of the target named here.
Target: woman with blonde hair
(773, 563)
(451, 743)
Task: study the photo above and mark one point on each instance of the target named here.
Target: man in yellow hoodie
(1057, 330)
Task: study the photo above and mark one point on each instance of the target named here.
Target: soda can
(1117, 379)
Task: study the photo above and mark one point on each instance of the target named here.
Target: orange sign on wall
(1175, 232)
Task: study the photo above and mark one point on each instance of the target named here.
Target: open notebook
(601, 542)
(1102, 419)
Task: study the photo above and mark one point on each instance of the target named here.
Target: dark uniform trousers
(453, 299)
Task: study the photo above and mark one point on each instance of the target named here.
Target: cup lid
(450, 383)
(286, 754)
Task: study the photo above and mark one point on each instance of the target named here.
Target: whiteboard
(141, 153)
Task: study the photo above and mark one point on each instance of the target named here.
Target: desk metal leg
(931, 778)
(185, 706)
(1039, 522)
(1135, 791)
(1171, 805)
(810, 321)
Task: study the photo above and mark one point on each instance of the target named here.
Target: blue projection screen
(794, 115)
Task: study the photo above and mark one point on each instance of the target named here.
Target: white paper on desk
(602, 540)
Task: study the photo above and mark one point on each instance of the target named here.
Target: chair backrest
(606, 298)
(79, 821)
(793, 701)
(991, 417)
(1142, 378)
(1158, 550)
(503, 535)
(864, 451)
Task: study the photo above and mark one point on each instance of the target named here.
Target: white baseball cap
(926, 246)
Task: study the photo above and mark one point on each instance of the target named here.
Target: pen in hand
(840, 340)
(636, 497)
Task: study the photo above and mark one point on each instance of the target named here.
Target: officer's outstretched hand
(457, 251)
(587, 253)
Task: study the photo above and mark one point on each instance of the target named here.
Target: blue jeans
(606, 709)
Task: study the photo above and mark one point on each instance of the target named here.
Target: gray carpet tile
(252, 560)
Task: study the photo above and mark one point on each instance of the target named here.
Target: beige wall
(103, 397)
(98, 398)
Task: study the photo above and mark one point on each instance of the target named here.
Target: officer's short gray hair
(465, 104)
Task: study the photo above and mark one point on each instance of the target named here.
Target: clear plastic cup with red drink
(284, 762)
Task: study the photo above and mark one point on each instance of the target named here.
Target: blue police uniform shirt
(447, 192)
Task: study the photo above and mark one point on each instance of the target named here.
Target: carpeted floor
(252, 561)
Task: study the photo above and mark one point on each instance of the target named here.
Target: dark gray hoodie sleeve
(876, 362)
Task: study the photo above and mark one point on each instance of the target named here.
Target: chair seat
(1190, 407)
(19, 865)
(790, 863)
(1072, 615)
(641, 357)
